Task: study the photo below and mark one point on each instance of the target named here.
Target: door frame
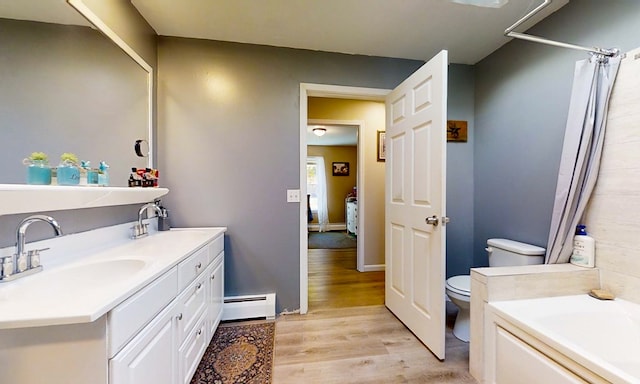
(359, 126)
(338, 92)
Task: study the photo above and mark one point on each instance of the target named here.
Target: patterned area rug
(238, 353)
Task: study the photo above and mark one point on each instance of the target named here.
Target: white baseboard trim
(374, 268)
(249, 307)
(331, 227)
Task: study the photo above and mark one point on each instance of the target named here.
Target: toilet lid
(460, 284)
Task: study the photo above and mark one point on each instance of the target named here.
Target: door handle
(433, 220)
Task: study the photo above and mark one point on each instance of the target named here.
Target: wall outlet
(293, 195)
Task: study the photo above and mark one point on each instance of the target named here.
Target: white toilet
(502, 253)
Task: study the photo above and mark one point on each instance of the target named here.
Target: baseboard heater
(249, 307)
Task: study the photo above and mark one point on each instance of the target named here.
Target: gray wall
(521, 103)
(47, 104)
(68, 89)
(229, 146)
(71, 221)
(76, 51)
(460, 106)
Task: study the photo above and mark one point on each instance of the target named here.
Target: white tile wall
(613, 214)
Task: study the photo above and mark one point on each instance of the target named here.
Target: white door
(415, 190)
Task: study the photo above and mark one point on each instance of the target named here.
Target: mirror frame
(101, 26)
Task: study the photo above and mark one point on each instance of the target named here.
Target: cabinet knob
(198, 286)
(179, 317)
(199, 265)
(213, 277)
(199, 332)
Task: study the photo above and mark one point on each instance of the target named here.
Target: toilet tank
(504, 252)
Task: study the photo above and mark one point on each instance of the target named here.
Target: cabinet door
(191, 352)
(151, 356)
(215, 299)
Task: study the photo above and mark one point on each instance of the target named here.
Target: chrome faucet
(140, 229)
(21, 263)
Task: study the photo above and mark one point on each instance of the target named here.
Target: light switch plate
(293, 195)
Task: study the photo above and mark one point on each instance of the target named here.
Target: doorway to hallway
(370, 251)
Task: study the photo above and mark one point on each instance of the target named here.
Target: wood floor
(334, 281)
(349, 336)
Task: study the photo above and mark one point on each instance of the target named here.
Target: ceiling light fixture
(319, 131)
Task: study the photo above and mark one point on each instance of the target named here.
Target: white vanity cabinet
(171, 344)
(150, 325)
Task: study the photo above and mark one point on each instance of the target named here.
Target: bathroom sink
(74, 280)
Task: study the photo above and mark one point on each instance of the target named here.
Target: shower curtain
(584, 135)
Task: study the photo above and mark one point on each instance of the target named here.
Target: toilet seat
(460, 284)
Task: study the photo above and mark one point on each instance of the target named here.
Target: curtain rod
(509, 32)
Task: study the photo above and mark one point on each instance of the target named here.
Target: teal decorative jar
(38, 172)
(69, 169)
(68, 174)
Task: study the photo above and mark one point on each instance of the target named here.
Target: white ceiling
(411, 29)
(46, 11)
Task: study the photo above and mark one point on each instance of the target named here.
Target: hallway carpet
(331, 240)
(238, 353)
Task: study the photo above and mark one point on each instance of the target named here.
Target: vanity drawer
(191, 304)
(190, 268)
(128, 318)
(215, 248)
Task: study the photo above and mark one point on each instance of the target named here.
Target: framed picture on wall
(340, 169)
(382, 148)
(457, 130)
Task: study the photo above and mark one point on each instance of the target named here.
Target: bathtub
(601, 336)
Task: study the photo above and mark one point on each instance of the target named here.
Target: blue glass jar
(38, 172)
(68, 174)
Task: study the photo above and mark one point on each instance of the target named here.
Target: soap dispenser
(163, 219)
(583, 248)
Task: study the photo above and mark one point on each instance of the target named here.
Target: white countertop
(73, 292)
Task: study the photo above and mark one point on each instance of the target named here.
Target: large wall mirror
(66, 87)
